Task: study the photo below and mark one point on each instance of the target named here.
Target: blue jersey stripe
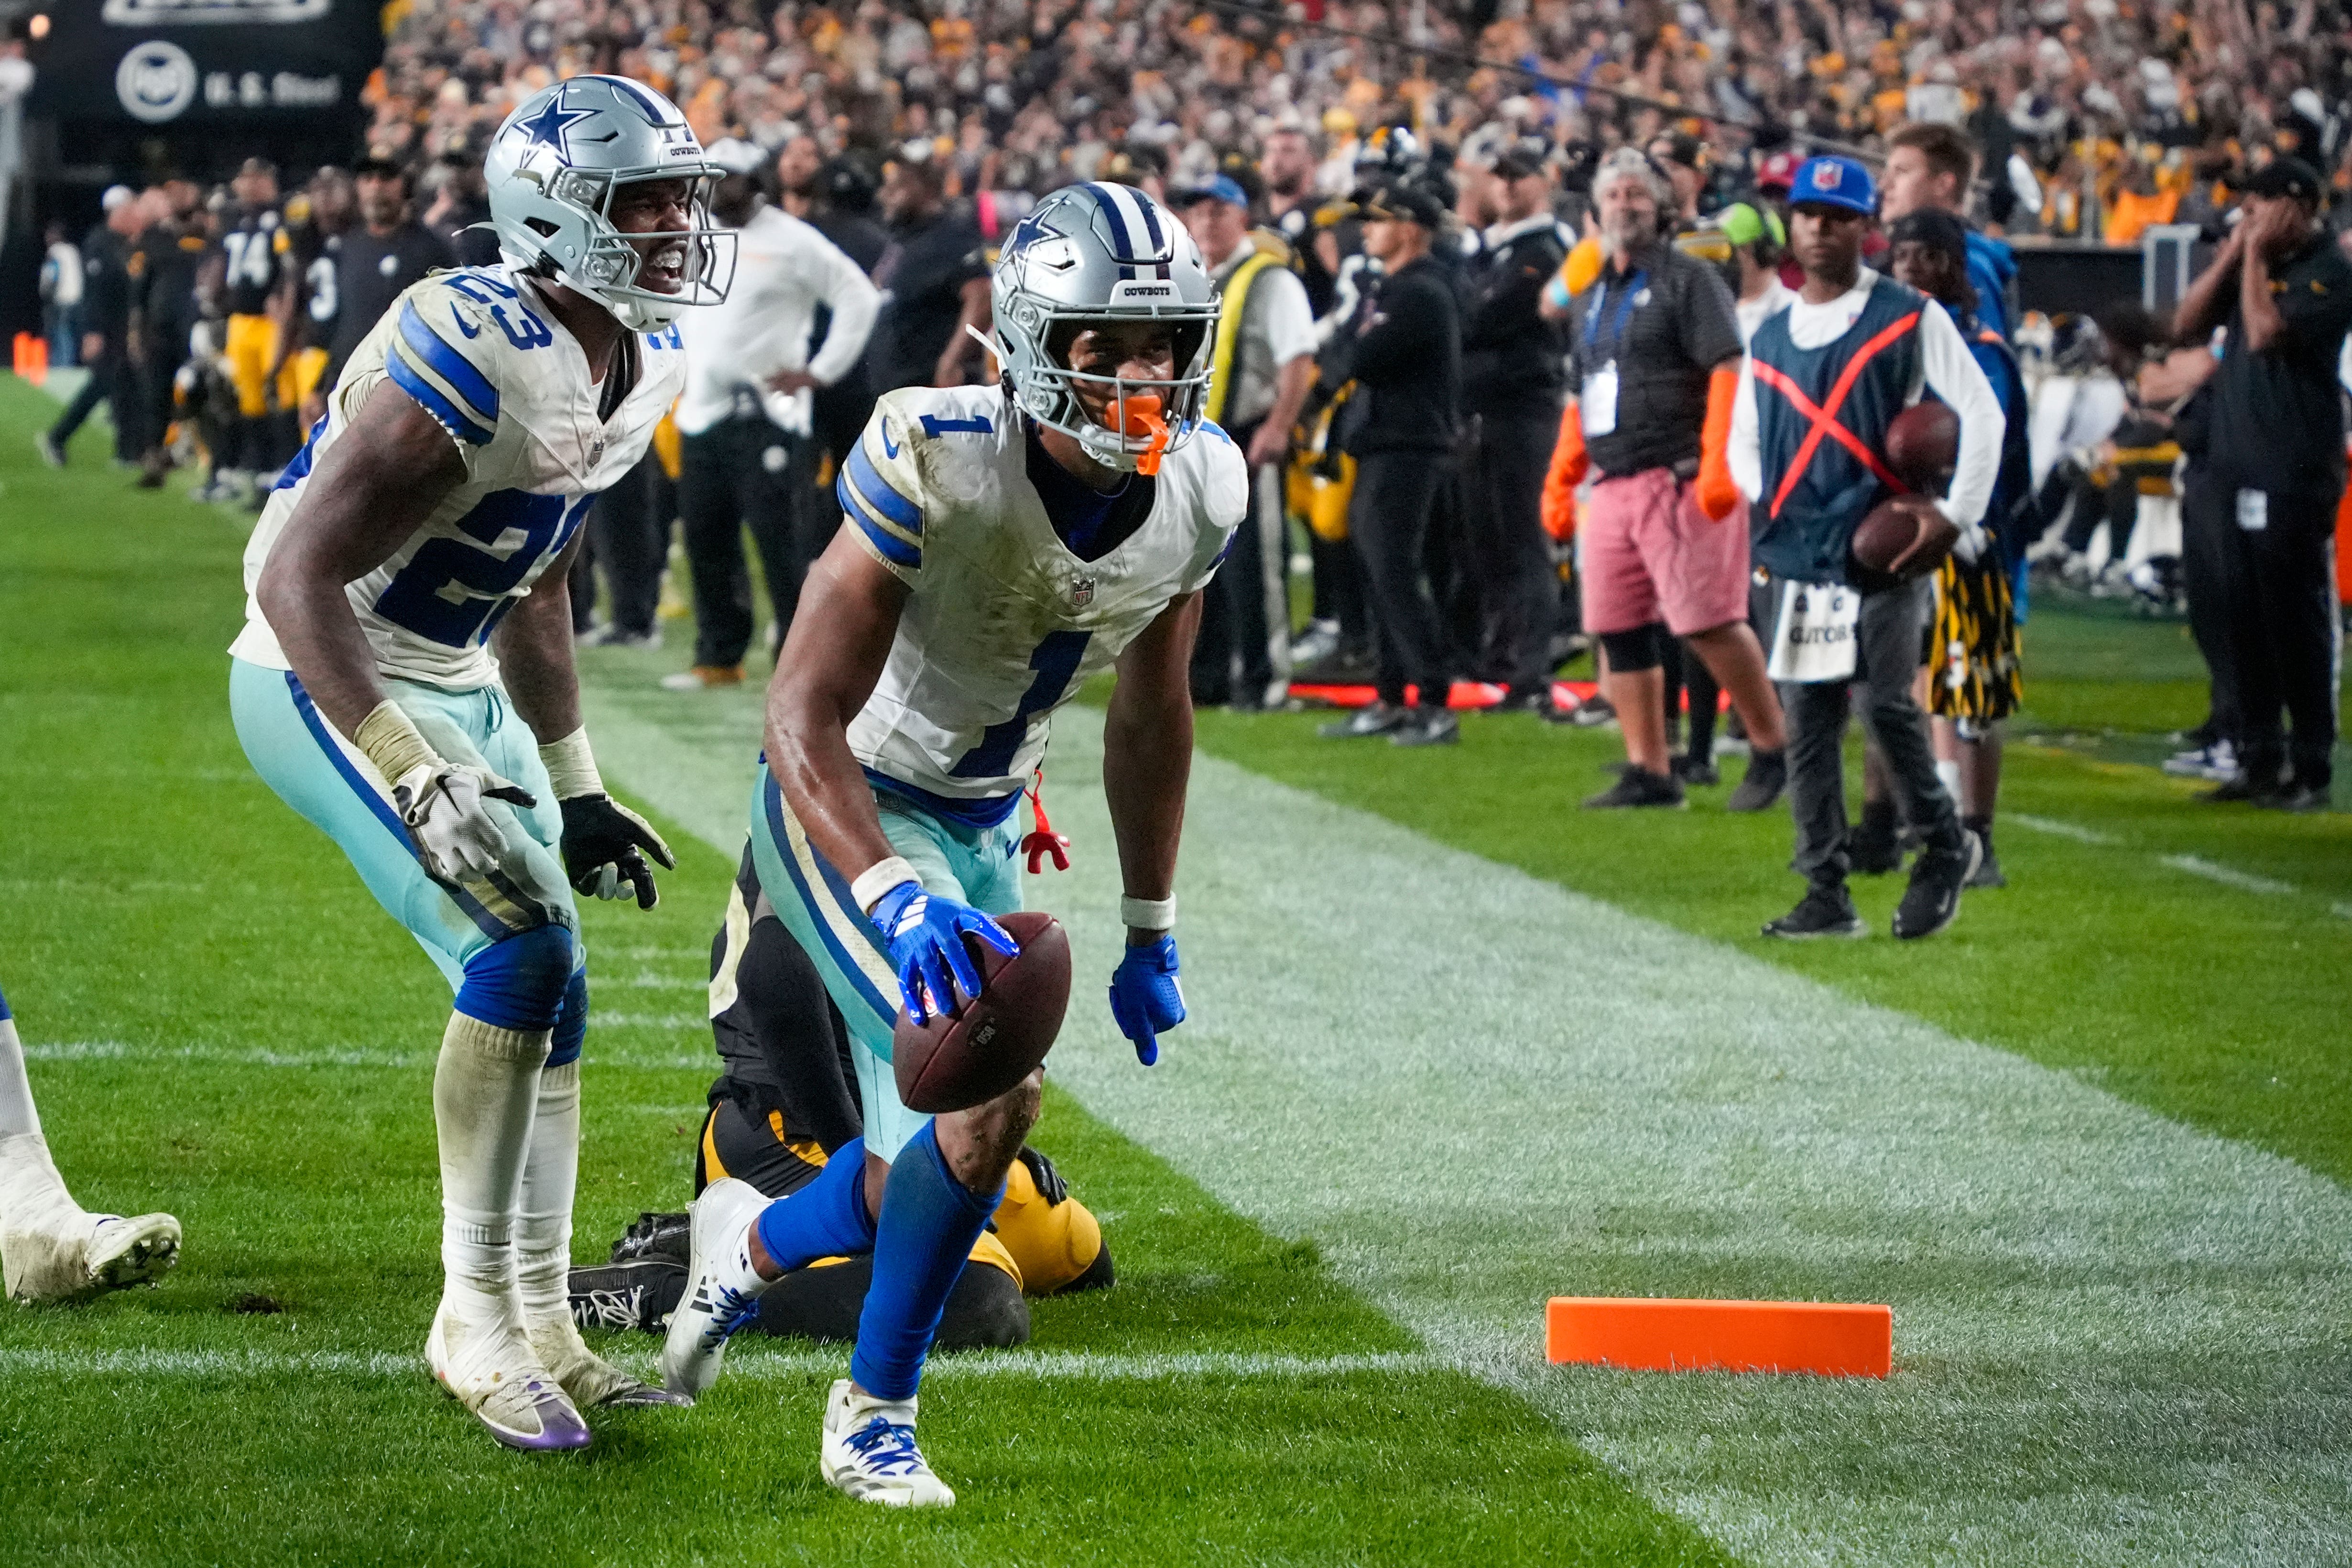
(447, 364)
(893, 548)
(984, 811)
(881, 498)
(434, 403)
(772, 800)
(489, 923)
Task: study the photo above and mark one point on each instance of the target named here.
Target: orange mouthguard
(1138, 415)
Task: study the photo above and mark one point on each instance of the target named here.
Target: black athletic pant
(743, 472)
(1886, 660)
(1246, 610)
(1339, 592)
(112, 380)
(628, 531)
(1389, 521)
(1519, 586)
(2284, 632)
(2207, 562)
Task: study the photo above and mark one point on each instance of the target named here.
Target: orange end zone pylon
(1651, 1335)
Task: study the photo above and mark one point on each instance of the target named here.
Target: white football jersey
(478, 349)
(1004, 622)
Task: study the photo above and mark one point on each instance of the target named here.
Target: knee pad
(1638, 650)
(571, 1021)
(520, 982)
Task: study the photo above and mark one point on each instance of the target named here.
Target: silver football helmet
(1099, 253)
(552, 169)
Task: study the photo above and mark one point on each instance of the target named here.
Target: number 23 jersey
(1004, 623)
(478, 349)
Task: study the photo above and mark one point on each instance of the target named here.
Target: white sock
(733, 1271)
(18, 1112)
(1949, 773)
(544, 1221)
(485, 1094)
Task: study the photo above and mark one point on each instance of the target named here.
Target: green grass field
(1456, 1048)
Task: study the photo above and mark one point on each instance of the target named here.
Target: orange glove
(1568, 463)
(1718, 494)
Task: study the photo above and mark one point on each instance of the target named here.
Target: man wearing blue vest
(1823, 380)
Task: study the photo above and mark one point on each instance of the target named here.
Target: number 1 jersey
(478, 349)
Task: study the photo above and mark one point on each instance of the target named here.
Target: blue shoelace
(885, 1447)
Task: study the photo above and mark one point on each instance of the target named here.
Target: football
(960, 1060)
(1903, 538)
(1923, 446)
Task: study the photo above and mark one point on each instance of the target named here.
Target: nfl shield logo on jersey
(1082, 593)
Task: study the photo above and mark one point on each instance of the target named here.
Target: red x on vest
(1824, 417)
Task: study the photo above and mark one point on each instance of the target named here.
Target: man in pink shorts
(1656, 362)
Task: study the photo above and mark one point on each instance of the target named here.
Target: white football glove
(442, 803)
(1971, 544)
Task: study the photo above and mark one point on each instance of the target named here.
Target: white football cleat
(710, 1312)
(587, 1377)
(491, 1370)
(51, 1250)
(868, 1451)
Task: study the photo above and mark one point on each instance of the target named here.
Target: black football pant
(1519, 586)
(1886, 660)
(112, 380)
(1244, 641)
(2284, 631)
(745, 472)
(629, 532)
(1389, 521)
(2207, 563)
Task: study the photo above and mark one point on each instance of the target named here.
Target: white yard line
(2193, 865)
(602, 1054)
(2118, 1339)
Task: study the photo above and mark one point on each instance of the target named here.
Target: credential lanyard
(1633, 286)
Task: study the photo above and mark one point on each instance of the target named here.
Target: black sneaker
(1638, 787)
(2301, 799)
(1376, 719)
(638, 1295)
(1987, 873)
(1933, 898)
(1592, 714)
(1826, 910)
(1427, 726)
(1766, 776)
(1697, 773)
(2245, 787)
(669, 1236)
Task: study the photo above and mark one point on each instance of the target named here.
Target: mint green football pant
(976, 866)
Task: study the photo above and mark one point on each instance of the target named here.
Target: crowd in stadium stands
(1411, 246)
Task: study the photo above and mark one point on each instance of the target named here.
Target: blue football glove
(923, 933)
(1145, 997)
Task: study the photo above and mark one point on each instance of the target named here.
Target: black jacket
(1510, 356)
(1406, 360)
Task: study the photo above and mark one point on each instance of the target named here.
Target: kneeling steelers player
(784, 1103)
(1003, 545)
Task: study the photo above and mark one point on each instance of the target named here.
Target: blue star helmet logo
(1030, 230)
(553, 125)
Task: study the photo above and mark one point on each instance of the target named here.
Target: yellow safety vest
(1229, 331)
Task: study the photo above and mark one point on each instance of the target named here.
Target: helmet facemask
(609, 270)
(1155, 416)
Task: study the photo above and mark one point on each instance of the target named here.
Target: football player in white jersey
(404, 679)
(1000, 544)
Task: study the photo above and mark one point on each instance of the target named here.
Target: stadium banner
(173, 62)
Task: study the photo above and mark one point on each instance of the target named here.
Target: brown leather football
(1923, 446)
(960, 1060)
(1902, 539)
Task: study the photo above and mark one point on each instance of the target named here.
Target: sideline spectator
(379, 259)
(1882, 344)
(1935, 165)
(934, 280)
(745, 416)
(1655, 358)
(1512, 380)
(164, 308)
(1265, 361)
(1404, 352)
(61, 287)
(2269, 475)
(112, 378)
(1974, 680)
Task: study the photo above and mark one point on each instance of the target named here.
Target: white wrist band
(877, 879)
(1147, 914)
(572, 766)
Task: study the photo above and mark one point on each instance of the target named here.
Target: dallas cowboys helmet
(552, 169)
(1095, 253)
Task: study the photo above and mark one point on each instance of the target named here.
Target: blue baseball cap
(1832, 181)
(1215, 188)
